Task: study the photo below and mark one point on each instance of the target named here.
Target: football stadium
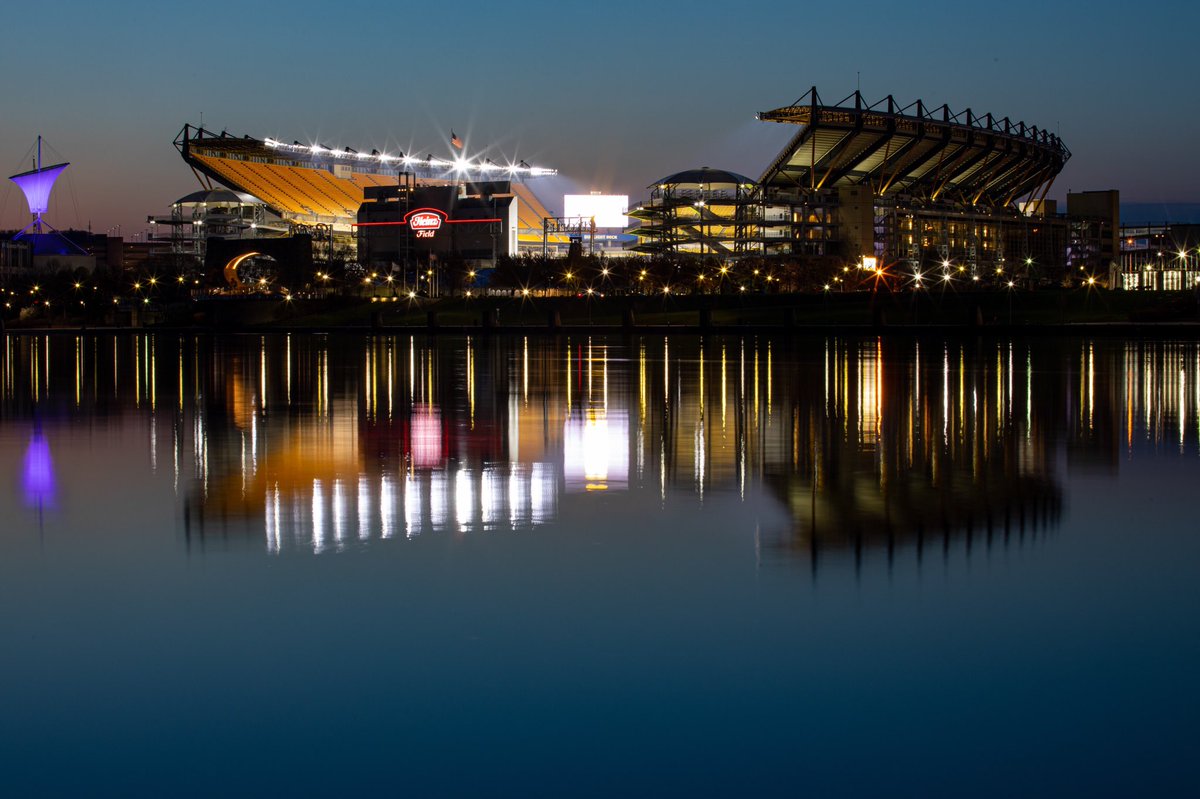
(256, 191)
(910, 192)
(915, 188)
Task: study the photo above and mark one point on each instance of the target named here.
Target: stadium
(908, 192)
(256, 192)
(879, 186)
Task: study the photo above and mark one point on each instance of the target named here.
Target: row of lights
(458, 164)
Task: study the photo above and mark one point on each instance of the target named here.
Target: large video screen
(609, 209)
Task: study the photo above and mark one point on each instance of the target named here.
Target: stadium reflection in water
(317, 443)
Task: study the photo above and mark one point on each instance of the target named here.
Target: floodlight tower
(37, 183)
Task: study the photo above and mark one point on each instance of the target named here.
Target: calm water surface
(596, 566)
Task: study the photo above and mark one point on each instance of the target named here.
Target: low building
(404, 228)
(1162, 257)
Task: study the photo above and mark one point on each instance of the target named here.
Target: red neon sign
(424, 222)
(425, 219)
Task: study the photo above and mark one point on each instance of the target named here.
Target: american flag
(455, 141)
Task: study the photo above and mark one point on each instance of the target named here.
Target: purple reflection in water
(37, 478)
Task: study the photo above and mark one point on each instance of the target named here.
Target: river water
(562, 566)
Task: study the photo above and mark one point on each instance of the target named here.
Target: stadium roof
(931, 153)
(217, 196)
(702, 177)
(315, 184)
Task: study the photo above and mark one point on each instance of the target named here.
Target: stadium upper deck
(313, 184)
(932, 155)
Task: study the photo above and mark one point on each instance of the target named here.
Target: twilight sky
(613, 94)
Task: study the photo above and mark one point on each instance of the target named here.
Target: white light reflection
(339, 513)
(464, 499)
(518, 494)
(412, 506)
(364, 508)
(153, 442)
(272, 520)
(542, 494)
(439, 500)
(318, 518)
(596, 450)
(491, 497)
(387, 506)
(1182, 408)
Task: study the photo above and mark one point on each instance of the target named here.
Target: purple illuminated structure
(37, 184)
(37, 479)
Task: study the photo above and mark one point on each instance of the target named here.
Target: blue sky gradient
(613, 95)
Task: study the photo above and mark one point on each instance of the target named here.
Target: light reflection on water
(675, 565)
(314, 443)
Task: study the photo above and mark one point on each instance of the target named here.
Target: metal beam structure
(932, 154)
